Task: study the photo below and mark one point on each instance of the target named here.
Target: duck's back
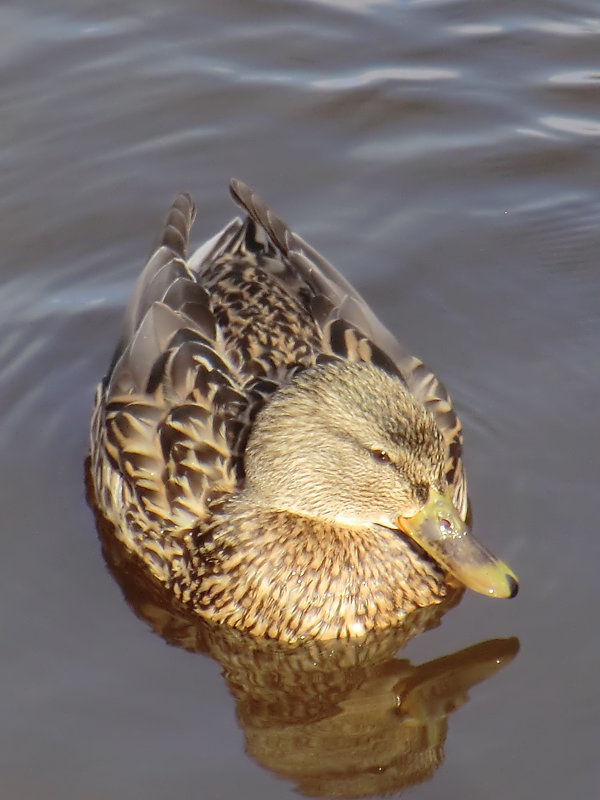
(268, 328)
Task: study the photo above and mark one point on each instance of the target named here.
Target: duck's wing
(350, 329)
(165, 419)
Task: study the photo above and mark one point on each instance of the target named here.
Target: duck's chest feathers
(259, 317)
(286, 577)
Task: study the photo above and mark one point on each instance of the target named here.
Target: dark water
(445, 155)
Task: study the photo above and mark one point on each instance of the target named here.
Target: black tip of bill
(513, 585)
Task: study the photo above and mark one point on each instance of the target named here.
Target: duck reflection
(342, 718)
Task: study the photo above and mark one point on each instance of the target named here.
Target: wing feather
(169, 410)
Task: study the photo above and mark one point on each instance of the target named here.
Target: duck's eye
(381, 455)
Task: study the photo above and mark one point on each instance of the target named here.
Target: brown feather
(206, 343)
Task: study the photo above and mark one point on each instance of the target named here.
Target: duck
(269, 451)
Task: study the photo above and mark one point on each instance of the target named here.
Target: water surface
(445, 155)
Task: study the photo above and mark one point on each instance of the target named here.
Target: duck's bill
(440, 531)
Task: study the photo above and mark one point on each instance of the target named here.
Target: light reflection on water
(445, 156)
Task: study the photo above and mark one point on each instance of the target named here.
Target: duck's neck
(286, 576)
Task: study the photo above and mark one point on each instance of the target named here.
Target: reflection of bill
(342, 718)
(385, 733)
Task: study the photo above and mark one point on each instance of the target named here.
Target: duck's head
(348, 444)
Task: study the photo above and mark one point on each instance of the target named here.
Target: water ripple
(354, 80)
(575, 78)
(581, 126)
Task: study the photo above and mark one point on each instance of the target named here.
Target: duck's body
(226, 438)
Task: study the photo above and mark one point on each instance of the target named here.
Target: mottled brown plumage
(259, 434)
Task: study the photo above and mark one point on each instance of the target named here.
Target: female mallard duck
(269, 450)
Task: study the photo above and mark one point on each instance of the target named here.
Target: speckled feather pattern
(283, 576)
(206, 343)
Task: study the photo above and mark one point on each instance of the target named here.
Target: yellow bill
(440, 531)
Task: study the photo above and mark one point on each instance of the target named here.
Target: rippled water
(446, 156)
